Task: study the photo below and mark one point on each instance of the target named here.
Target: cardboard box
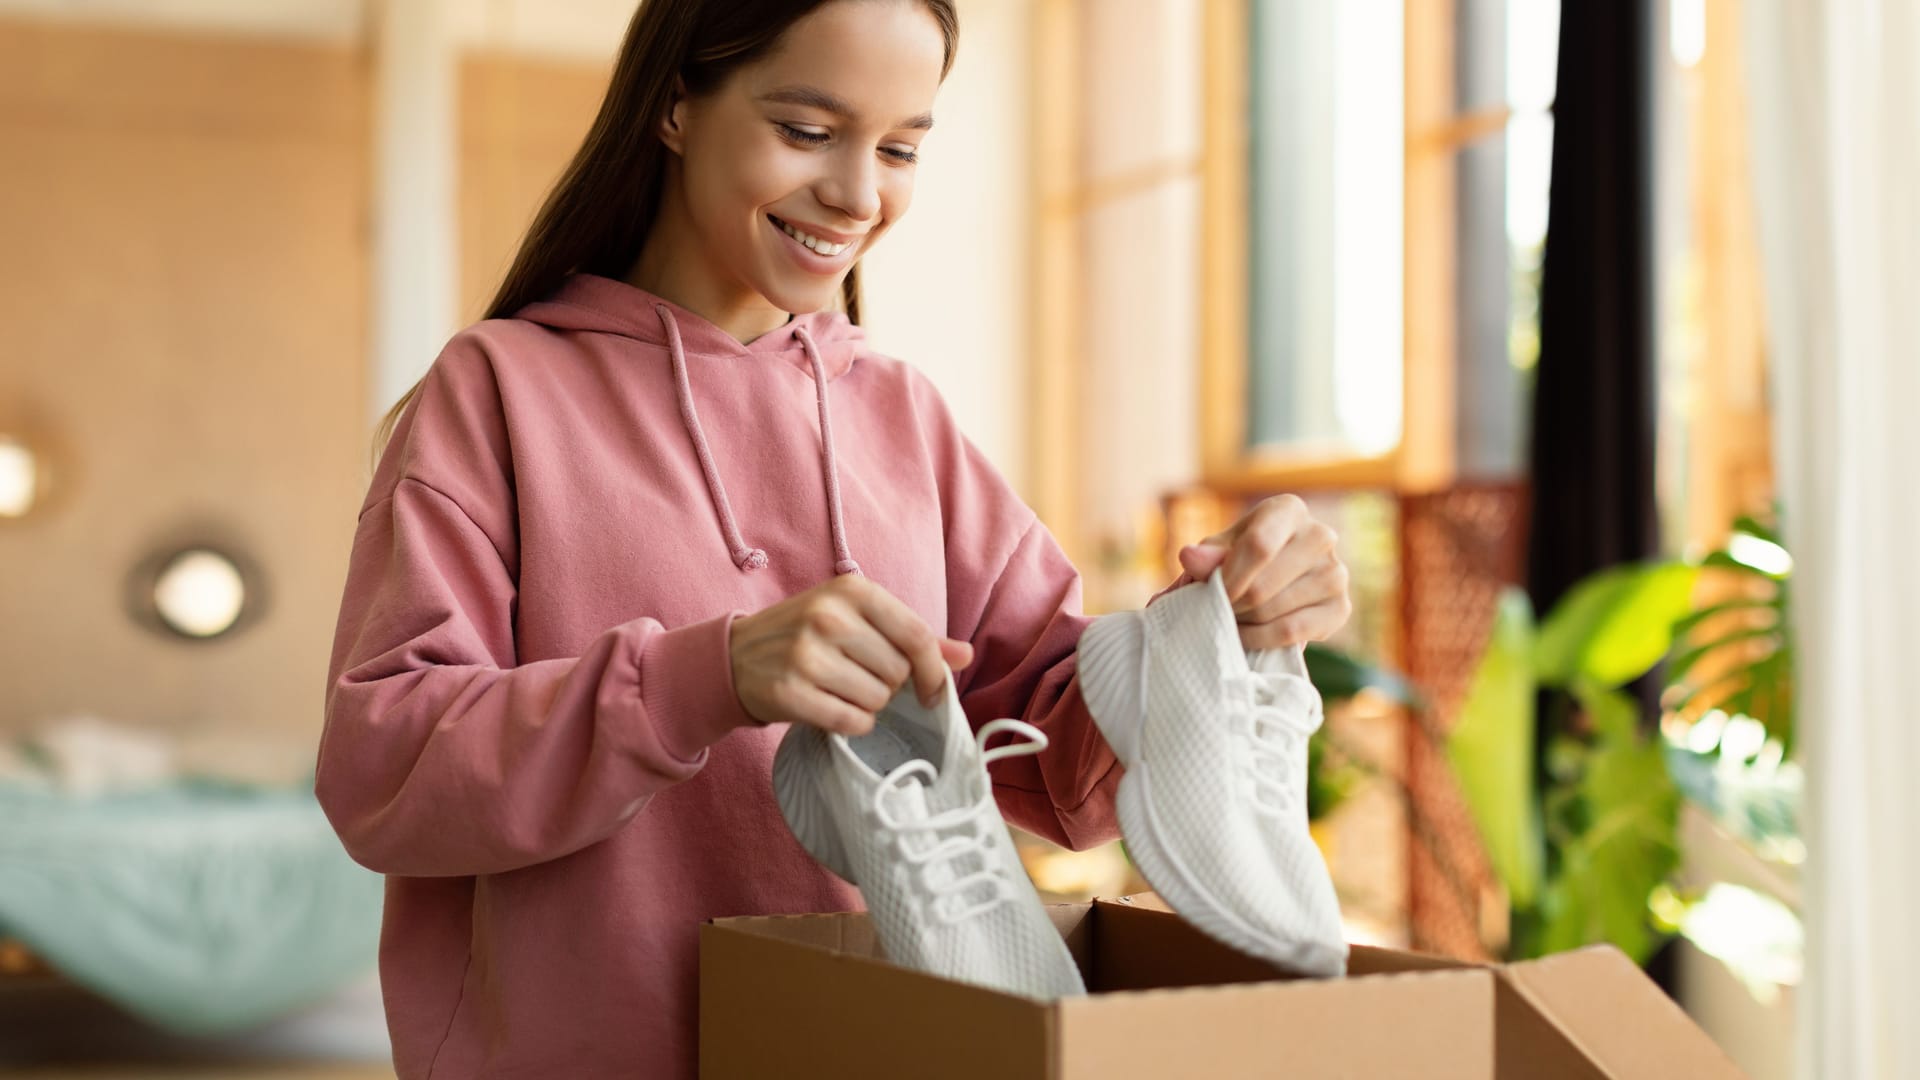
(811, 996)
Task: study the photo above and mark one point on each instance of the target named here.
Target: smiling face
(796, 165)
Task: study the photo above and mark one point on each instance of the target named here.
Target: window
(1376, 179)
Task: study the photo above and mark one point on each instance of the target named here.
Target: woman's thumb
(957, 654)
(1202, 558)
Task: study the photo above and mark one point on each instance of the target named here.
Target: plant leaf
(1564, 634)
(1491, 750)
(1608, 870)
(1339, 676)
(1638, 629)
(1712, 694)
(1686, 623)
(1683, 663)
(1614, 625)
(1753, 526)
(1769, 697)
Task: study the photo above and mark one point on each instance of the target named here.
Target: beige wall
(182, 283)
(949, 289)
(185, 281)
(520, 122)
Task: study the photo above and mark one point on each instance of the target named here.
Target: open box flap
(1528, 1043)
(1617, 1016)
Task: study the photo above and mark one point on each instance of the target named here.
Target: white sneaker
(906, 813)
(1213, 805)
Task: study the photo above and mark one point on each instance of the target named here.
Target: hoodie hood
(603, 305)
(824, 344)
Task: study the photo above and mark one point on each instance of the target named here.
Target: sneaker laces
(970, 830)
(1273, 734)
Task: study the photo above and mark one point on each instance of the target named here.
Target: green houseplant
(1582, 835)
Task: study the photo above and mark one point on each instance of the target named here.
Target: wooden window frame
(1425, 459)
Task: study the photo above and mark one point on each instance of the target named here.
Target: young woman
(663, 502)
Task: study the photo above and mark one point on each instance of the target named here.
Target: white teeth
(813, 242)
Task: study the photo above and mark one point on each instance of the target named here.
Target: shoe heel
(796, 768)
(1112, 663)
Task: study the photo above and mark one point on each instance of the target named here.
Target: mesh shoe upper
(906, 813)
(1213, 805)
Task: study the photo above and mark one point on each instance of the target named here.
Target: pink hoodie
(531, 727)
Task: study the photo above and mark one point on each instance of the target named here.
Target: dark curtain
(1593, 414)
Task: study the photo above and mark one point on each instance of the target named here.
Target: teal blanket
(200, 907)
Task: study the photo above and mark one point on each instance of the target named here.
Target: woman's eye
(816, 138)
(811, 138)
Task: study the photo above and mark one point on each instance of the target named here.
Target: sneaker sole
(1166, 873)
(1170, 878)
(1114, 650)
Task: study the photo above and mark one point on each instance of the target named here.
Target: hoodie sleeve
(1013, 594)
(441, 755)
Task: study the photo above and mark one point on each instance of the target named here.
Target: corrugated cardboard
(812, 996)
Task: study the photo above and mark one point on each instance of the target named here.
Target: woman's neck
(671, 267)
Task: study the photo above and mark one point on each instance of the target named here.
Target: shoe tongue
(947, 743)
(905, 708)
(907, 800)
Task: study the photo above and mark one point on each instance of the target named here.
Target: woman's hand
(1283, 577)
(833, 656)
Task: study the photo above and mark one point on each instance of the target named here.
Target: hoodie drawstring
(752, 558)
(843, 556)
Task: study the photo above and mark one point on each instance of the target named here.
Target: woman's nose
(853, 187)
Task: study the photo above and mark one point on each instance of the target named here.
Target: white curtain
(1836, 157)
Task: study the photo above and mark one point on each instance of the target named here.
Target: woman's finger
(908, 633)
(1323, 581)
(1308, 547)
(844, 676)
(1316, 623)
(1269, 530)
(808, 704)
(956, 653)
(865, 645)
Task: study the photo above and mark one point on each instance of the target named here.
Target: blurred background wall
(184, 285)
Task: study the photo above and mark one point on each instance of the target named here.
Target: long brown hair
(597, 217)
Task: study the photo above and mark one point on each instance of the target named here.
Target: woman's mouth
(816, 250)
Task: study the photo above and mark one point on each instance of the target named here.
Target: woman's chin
(802, 298)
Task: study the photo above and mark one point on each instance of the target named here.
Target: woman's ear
(673, 124)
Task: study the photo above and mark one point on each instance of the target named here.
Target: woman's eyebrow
(816, 98)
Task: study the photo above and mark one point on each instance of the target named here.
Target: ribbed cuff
(686, 687)
(1182, 581)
